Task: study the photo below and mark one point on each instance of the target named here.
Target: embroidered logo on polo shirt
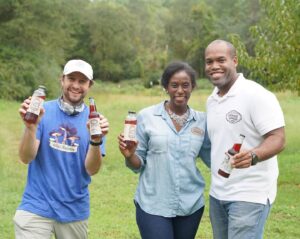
(233, 117)
(197, 131)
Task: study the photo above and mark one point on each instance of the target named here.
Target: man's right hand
(22, 111)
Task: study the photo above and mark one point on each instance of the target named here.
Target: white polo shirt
(253, 111)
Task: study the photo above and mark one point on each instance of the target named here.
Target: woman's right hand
(127, 150)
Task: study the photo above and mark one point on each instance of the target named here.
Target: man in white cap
(62, 158)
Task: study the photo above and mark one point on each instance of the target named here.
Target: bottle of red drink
(94, 119)
(226, 167)
(34, 109)
(130, 129)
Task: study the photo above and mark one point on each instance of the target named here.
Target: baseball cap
(79, 66)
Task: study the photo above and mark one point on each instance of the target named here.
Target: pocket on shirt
(158, 144)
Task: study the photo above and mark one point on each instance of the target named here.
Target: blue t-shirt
(57, 181)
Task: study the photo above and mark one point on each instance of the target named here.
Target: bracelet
(95, 143)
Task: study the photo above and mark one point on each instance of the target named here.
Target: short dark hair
(230, 46)
(175, 67)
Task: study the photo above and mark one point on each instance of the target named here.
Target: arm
(205, 150)
(273, 143)
(29, 144)
(132, 160)
(93, 158)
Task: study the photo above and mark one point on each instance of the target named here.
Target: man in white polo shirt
(240, 203)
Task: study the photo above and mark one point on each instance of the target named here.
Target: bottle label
(35, 105)
(226, 164)
(95, 128)
(129, 132)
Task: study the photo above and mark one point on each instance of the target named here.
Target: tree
(275, 62)
(189, 29)
(149, 39)
(34, 37)
(109, 33)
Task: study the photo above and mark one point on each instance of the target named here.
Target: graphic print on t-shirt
(64, 138)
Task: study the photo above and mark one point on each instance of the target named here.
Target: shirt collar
(232, 91)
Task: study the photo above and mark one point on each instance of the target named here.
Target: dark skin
(220, 67)
(273, 144)
(179, 89)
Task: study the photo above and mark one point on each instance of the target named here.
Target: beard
(225, 80)
(73, 99)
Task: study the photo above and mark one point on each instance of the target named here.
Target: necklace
(179, 119)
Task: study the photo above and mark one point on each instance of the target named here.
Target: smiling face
(74, 86)
(179, 89)
(220, 65)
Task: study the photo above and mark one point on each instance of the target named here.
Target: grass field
(112, 189)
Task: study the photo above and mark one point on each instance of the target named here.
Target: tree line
(129, 39)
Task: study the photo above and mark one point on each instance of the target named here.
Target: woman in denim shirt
(169, 198)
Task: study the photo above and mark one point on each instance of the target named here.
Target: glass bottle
(94, 120)
(130, 129)
(226, 166)
(34, 109)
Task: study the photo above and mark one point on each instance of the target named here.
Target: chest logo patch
(197, 131)
(233, 117)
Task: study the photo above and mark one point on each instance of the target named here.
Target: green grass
(112, 189)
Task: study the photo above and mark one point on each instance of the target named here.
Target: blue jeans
(158, 227)
(238, 220)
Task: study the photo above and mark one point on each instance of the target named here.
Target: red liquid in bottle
(35, 105)
(94, 120)
(130, 129)
(236, 148)
(226, 168)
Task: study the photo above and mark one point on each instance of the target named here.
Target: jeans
(158, 227)
(237, 219)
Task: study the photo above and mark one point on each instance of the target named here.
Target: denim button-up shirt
(170, 184)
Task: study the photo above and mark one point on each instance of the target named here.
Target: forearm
(28, 146)
(133, 161)
(273, 144)
(93, 160)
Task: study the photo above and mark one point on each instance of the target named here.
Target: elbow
(93, 172)
(282, 141)
(23, 159)
(282, 144)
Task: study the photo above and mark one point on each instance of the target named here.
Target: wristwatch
(255, 158)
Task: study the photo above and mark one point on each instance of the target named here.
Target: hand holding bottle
(124, 149)
(104, 124)
(227, 164)
(24, 109)
(242, 160)
(97, 123)
(31, 109)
